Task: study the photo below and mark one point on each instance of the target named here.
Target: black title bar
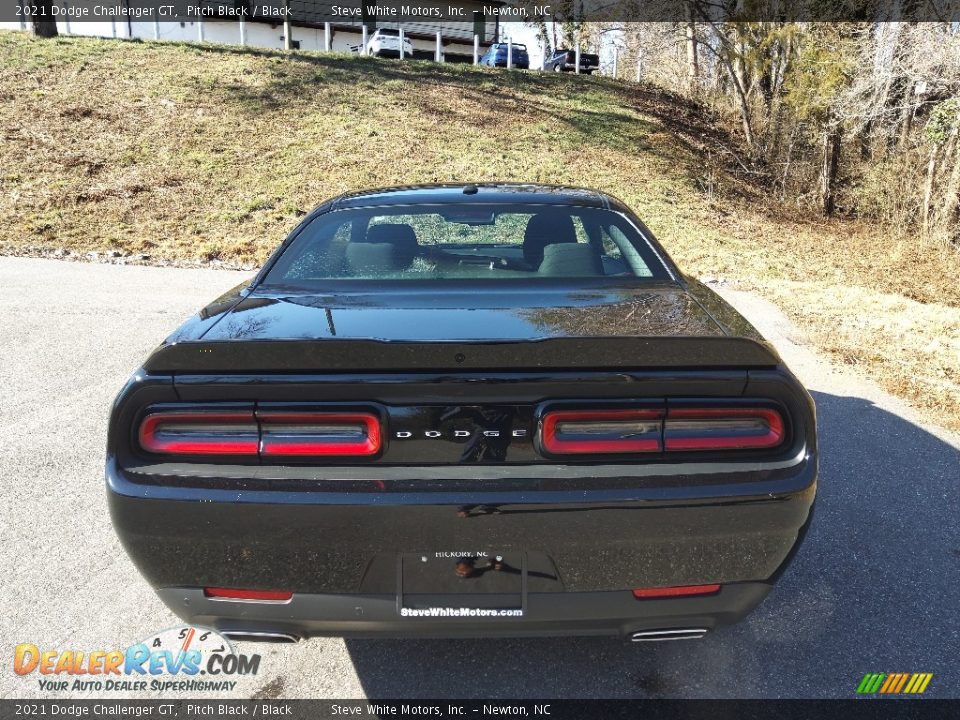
(384, 12)
(445, 709)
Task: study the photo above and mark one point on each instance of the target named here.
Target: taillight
(248, 595)
(319, 434)
(574, 432)
(733, 428)
(200, 433)
(678, 591)
(676, 428)
(268, 433)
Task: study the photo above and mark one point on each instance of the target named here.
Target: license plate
(461, 584)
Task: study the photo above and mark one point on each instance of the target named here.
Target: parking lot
(872, 590)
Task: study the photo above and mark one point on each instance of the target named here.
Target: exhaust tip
(252, 636)
(663, 635)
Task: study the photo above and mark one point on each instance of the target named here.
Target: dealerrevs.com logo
(185, 658)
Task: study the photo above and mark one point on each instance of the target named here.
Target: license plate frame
(482, 581)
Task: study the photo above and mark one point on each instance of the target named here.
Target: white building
(310, 29)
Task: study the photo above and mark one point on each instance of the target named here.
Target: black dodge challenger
(461, 411)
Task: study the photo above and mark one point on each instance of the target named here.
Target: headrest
(401, 236)
(372, 258)
(546, 228)
(580, 260)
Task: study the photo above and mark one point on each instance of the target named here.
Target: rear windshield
(467, 243)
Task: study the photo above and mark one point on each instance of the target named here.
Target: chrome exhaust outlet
(251, 636)
(662, 635)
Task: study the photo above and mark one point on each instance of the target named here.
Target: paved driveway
(873, 589)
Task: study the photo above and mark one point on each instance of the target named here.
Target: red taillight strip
(270, 433)
(248, 595)
(678, 429)
(319, 434)
(678, 591)
(554, 442)
(195, 433)
(708, 429)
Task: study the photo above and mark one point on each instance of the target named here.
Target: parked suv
(386, 43)
(496, 56)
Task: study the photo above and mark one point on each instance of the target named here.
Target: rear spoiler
(630, 353)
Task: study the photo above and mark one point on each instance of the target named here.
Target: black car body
(564, 60)
(462, 410)
(504, 54)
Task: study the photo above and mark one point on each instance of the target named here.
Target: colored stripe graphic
(894, 683)
(871, 683)
(918, 683)
(913, 681)
(903, 681)
(891, 682)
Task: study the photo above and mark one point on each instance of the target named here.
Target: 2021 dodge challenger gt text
(464, 410)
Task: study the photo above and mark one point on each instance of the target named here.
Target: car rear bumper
(391, 52)
(582, 551)
(615, 613)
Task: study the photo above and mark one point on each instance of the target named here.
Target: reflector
(249, 595)
(678, 591)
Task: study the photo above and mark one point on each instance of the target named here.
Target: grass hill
(211, 152)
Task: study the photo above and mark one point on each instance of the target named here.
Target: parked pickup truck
(566, 61)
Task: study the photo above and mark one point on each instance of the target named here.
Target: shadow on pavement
(873, 589)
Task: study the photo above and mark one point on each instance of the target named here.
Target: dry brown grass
(187, 152)
(912, 349)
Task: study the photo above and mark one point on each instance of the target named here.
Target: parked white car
(386, 43)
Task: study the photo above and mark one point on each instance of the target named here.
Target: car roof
(520, 193)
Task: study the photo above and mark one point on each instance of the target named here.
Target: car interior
(469, 244)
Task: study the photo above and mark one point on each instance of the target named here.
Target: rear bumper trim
(610, 613)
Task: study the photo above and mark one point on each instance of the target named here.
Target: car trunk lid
(660, 326)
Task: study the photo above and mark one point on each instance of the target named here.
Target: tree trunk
(723, 55)
(928, 190)
(693, 63)
(906, 125)
(828, 173)
(740, 70)
(901, 131)
(744, 106)
(775, 130)
(42, 23)
(866, 144)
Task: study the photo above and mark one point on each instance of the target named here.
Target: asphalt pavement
(873, 589)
